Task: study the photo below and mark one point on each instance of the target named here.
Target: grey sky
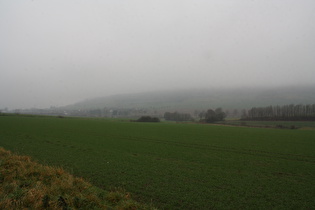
(62, 51)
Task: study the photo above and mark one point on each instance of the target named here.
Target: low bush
(148, 119)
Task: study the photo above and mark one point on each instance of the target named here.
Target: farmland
(175, 166)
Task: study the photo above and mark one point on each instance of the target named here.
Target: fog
(54, 53)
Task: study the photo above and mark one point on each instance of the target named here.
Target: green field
(176, 166)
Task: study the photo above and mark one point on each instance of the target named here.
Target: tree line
(176, 116)
(208, 116)
(211, 116)
(286, 112)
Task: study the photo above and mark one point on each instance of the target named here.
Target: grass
(27, 184)
(176, 166)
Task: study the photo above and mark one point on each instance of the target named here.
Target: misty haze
(61, 52)
(178, 104)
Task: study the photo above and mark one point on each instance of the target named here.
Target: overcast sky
(58, 52)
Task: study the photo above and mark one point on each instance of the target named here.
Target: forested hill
(240, 98)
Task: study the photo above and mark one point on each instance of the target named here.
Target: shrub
(148, 119)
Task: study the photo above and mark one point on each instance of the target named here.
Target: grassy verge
(27, 184)
(272, 124)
